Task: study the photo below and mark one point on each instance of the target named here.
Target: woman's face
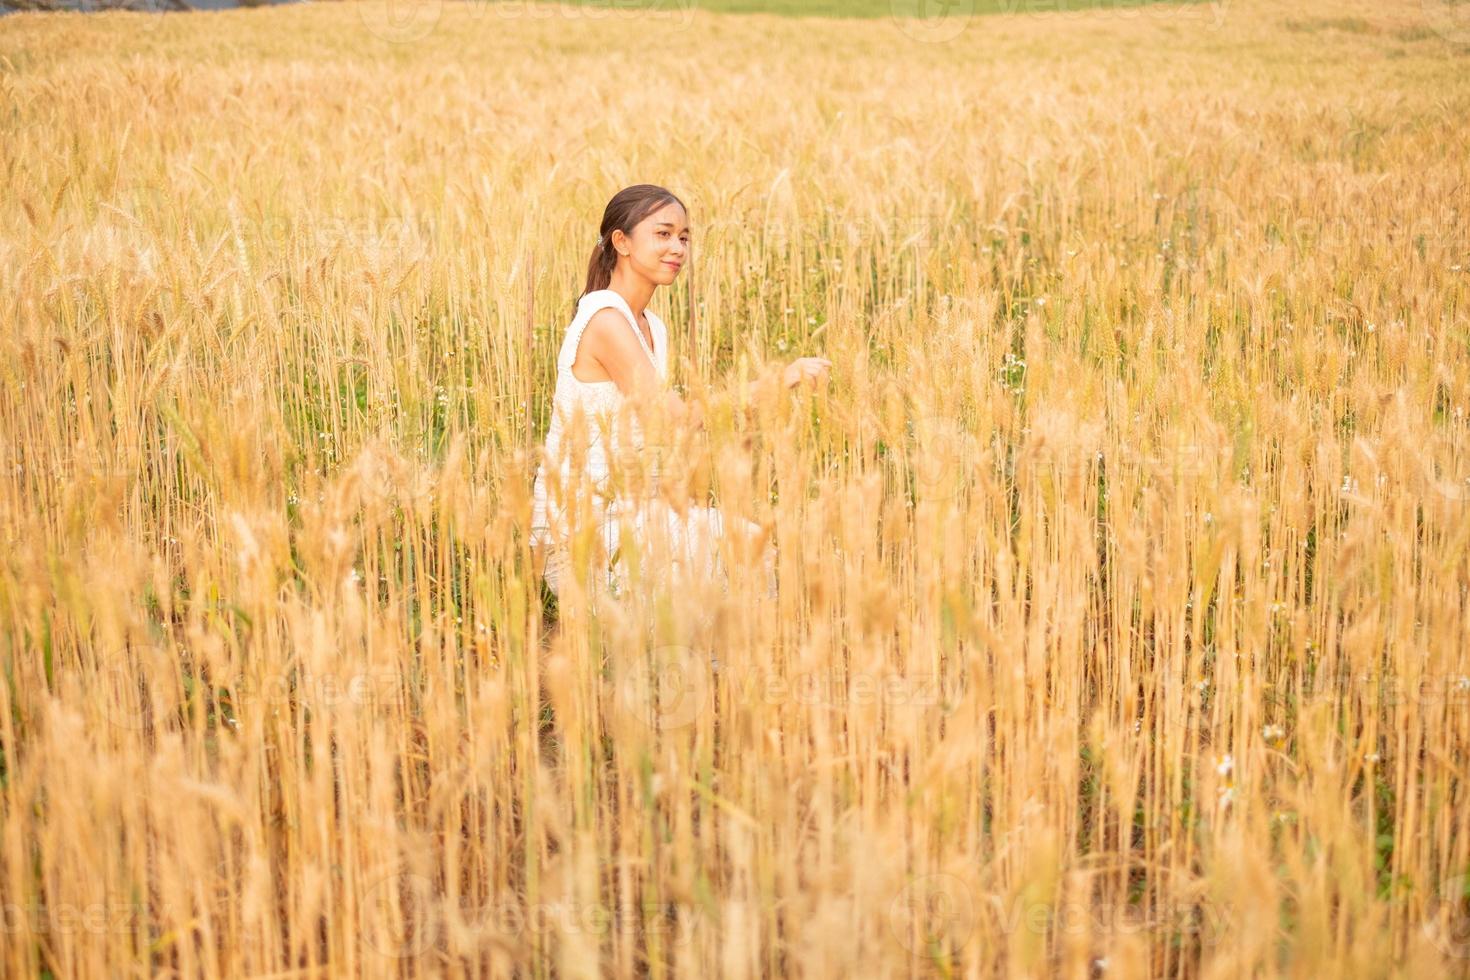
(659, 244)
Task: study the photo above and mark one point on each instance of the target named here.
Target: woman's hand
(813, 369)
(690, 412)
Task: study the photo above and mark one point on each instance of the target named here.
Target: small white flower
(1372, 757)
(1273, 733)
(1224, 765)
(1227, 796)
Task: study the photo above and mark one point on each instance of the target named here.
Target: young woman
(616, 349)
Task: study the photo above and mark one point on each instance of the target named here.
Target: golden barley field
(1122, 621)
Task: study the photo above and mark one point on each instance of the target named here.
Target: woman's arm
(609, 351)
(802, 370)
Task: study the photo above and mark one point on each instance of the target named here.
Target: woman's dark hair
(627, 207)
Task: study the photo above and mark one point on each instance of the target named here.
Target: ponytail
(600, 267)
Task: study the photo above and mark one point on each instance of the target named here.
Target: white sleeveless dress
(692, 538)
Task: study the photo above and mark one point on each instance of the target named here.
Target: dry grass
(1123, 618)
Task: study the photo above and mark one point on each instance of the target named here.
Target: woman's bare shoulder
(609, 328)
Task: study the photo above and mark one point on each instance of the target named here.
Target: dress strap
(589, 304)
